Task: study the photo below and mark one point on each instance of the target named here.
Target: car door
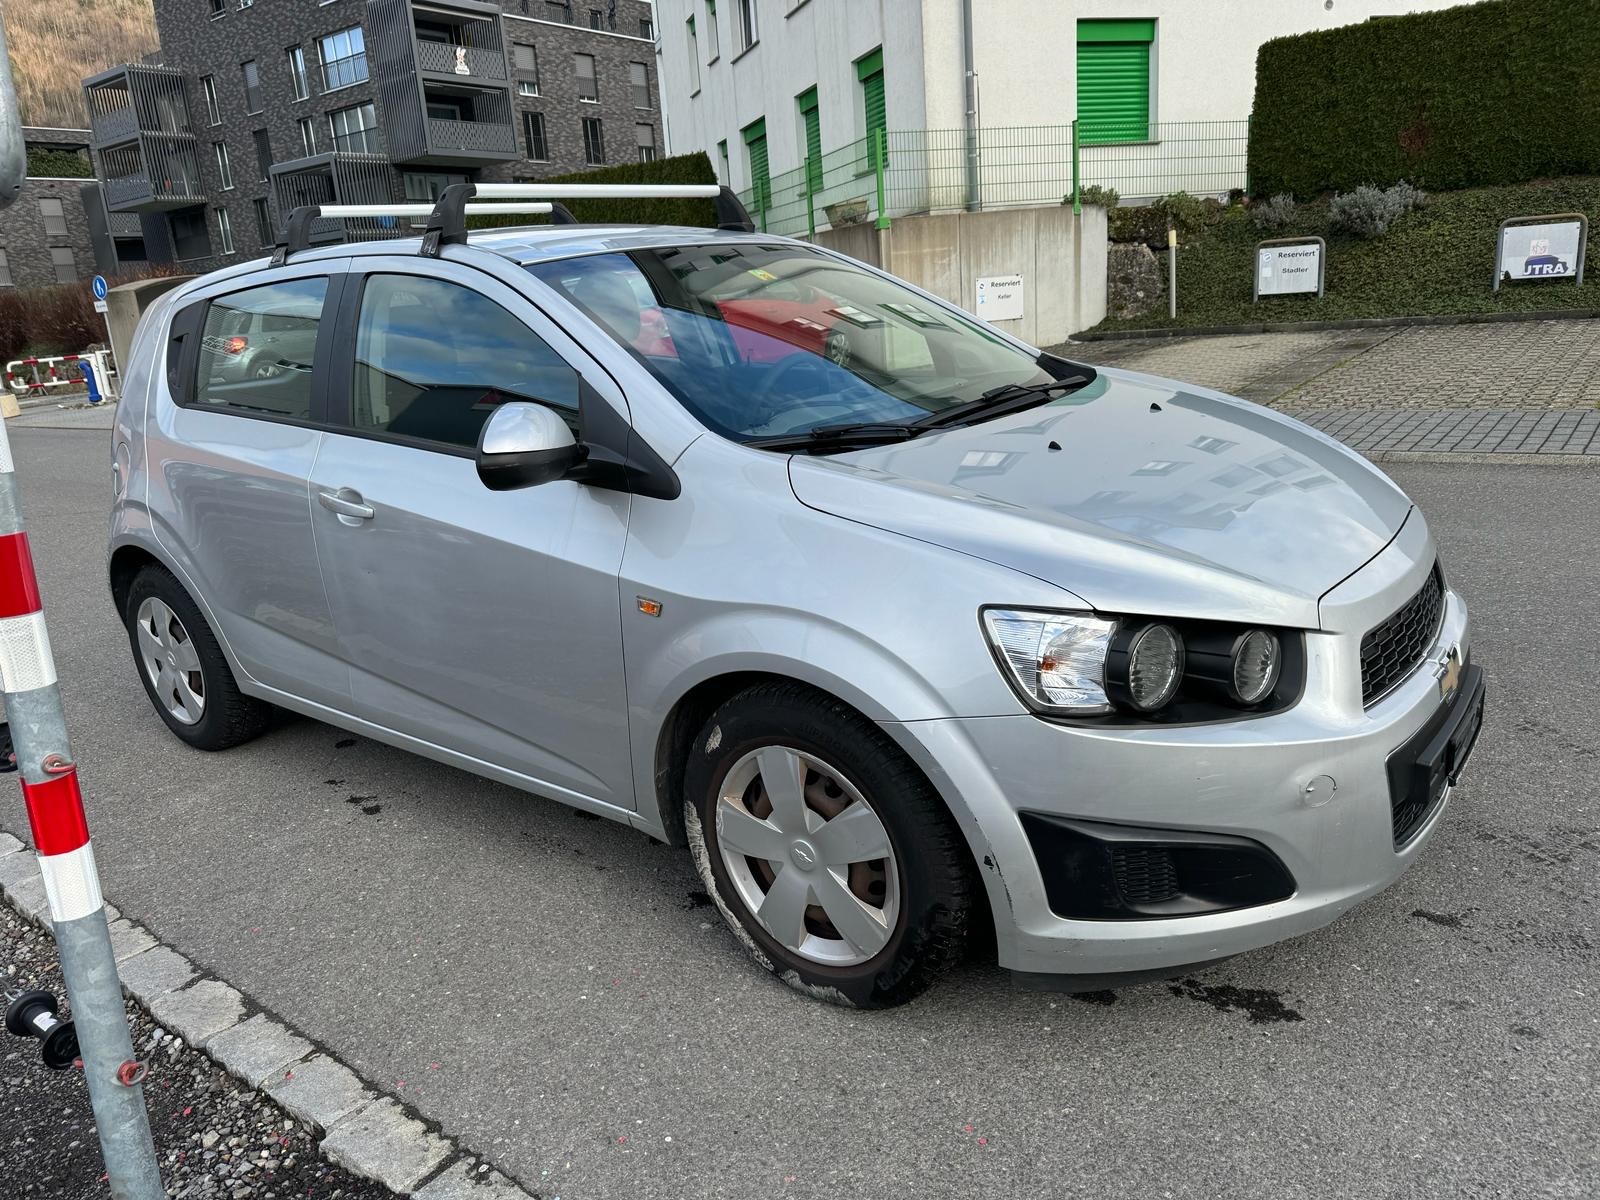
(230, 453)
(484, 622)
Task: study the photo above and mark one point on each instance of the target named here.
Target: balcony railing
(469, 62)
(135, 192)
(114, 126)
(491, 137)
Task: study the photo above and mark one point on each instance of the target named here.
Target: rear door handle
(347, 504)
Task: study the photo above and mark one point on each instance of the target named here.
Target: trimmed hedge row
(58, 164)
(682, 168)
(1436, 261)
(1489, 93)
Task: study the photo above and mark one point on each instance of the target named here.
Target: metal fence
(927, 170)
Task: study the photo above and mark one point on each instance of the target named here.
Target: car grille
(1144, 874)
(1392, 650)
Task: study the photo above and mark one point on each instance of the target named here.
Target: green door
(807, 100)
(755, 149)
(869, 71)
(1114, 81)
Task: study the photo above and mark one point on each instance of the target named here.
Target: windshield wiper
(1007, 398)
(826, 438)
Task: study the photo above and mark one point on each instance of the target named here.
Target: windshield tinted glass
(762, 341)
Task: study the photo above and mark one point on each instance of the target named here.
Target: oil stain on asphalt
(1261, 1005)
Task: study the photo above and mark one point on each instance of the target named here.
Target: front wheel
(830, 856)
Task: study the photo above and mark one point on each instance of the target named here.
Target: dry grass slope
(56, 43)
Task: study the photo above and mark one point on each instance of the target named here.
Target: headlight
(1144, 666)
(1057, 661)
(1241, 667)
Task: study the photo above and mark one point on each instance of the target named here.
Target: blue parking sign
(99, 287)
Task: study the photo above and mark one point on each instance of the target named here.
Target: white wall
(814, 45)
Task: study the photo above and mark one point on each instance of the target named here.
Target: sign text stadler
(1290, 267)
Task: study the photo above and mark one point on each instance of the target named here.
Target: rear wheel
(825, 849)
(184, 671)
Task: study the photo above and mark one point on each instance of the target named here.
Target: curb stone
(367, 1134)
(1488, 318)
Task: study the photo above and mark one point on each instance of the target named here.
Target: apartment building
(45, 236)
(251, 109)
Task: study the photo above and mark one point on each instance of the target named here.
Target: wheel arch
(129, 556)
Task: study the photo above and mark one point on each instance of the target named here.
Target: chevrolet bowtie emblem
(1450, 673)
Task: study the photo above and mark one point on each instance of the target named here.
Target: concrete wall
(1060, 256)
(124, 305)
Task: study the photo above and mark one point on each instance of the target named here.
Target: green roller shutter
(869, 71)
(807, 102)
(755, 148)
(1114, 80)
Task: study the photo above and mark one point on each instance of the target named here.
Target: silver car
(921, 640)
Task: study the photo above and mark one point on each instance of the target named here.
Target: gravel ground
(214, 1137)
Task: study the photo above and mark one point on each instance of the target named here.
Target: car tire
(872, 932)
(195, 694)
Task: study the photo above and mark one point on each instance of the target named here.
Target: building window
(644, 136)
(208, 85)
(713, 34)
(694, 57)
(244, 4)
(190, 237)
(355, 128)
(65, 264)
(224, 164)
(647, 29)
(218, 7)
(308, 136)
(755, 151)
(639, 80)
(263, 151)
(225, 226)
(533, 131)
(264, 233)
(869, 72)
(252, 86)
(5, 270)
(55, 217)
(525, 61)
(596, 19)
(594, 142)
(745, 10)
(725, 172)
(449, 108)
(588, 86)
(811, 138)
(428, 186)
(344, 58)
(297, 72)
(1114, 80)
(558, 10)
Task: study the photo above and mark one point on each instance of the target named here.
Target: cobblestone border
(1494, 318)
(363, 1131)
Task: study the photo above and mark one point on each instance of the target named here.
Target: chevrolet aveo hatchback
(907, 630)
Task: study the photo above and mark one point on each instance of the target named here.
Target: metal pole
(1077, 201)
(969, 67)
(66, 860)
(879, 154)
(1172, 272)
(13, 154)
(813, 173)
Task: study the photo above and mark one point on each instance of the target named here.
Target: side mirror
(523, 445)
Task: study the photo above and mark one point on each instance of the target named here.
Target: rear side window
(257, 347)
(434, 358)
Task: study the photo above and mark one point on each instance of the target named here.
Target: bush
(1106, 197)
(1455, 98)
(1368, 212)
(1184, 212)
(681, 168)
(1274, 215)
(58, 164)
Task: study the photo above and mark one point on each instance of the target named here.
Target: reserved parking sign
(1541, 248)
(1290, 267)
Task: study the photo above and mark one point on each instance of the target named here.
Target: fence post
(66, 862)
(1077, 202)
(879, 155)
(1247, 121)
(813, 173)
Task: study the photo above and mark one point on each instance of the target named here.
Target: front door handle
(347, 504)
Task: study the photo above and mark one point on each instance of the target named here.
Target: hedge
(1435, 262)
(1488, 93)
(58, 164)
(682, 168)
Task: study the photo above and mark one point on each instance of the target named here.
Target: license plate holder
(1421, 770)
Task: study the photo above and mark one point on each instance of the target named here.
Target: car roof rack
(446, 224)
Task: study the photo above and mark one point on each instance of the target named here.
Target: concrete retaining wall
(1060, 255)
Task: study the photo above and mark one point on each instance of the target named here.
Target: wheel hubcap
(808, 856)
(170, 662)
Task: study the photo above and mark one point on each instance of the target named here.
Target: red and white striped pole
(66, 860)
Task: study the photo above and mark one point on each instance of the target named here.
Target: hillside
(56, 43)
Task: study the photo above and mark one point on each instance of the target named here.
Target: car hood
(1136, 495)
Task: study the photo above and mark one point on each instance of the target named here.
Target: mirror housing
(523, 445)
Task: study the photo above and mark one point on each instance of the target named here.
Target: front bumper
(1310, 784)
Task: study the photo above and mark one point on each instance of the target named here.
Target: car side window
(257, 347)
(433, 359)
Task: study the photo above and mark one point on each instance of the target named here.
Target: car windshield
(763, 341)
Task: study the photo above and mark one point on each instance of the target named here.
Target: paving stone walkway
(1524, 388)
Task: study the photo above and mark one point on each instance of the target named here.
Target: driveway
(555, 992)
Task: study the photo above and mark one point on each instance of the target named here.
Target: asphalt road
(553, 990)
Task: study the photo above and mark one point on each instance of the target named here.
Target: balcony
(440, 66)
(153, 172)
(127, 101)
(336, 177)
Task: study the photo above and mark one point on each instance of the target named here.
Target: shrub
(1368, 212)
(1454, 98)
(1274, 215)
(1107, 197)
(1184, 212)
(62, 320)
(58, 164)
(13, 325)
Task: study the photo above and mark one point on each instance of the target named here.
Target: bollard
(66, 860)
(89, 381)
